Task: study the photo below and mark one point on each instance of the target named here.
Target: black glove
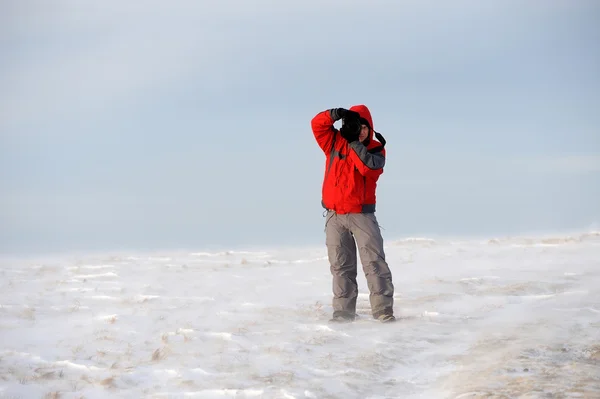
(339, 113)
(351, 126)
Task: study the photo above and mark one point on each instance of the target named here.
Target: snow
(514, 317)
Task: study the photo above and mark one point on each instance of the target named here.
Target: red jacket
(351, 171)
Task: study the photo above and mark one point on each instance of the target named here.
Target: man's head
(366, 134)
(357, 125)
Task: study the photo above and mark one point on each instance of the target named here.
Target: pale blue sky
(186, 124)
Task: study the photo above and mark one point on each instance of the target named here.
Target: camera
(351, 126)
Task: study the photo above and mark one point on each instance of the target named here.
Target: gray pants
(343, 234)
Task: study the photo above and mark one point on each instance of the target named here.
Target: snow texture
(515, 317)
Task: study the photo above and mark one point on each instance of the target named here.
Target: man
(354, 162)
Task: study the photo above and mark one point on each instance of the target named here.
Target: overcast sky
(186, 124)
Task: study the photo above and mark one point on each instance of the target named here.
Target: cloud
(467, 170)
(69, 57)
(89, 61)
(80, 58)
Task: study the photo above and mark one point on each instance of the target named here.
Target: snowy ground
(505, 318)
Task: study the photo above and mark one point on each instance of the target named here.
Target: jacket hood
(364, 113)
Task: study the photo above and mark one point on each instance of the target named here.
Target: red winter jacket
(351, 171)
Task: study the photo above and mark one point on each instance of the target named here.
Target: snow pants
(343, 233)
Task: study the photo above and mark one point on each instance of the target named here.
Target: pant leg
(341, 250)
(366, 230)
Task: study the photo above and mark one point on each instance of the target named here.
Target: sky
(187, 125)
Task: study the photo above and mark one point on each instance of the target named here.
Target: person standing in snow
(354, 162)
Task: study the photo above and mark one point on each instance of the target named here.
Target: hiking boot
(342, 317)
(386, 318)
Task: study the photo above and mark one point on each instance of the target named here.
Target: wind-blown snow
(500, 318)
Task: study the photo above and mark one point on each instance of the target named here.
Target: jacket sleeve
(369, 165)
(322, 127)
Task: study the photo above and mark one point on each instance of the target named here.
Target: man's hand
(342, 113)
